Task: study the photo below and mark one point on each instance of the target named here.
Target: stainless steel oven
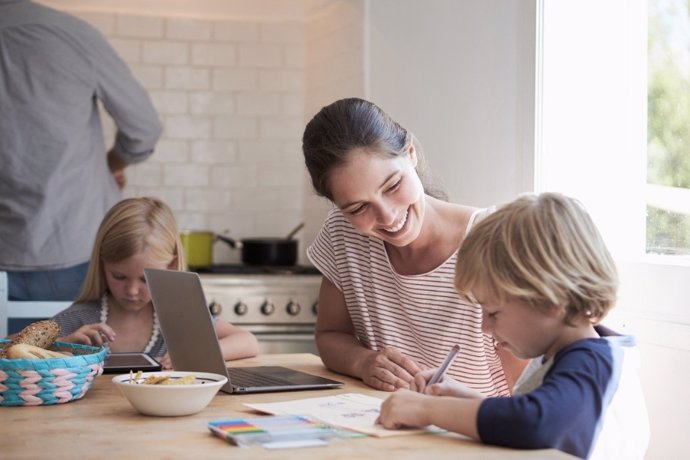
(277, 304)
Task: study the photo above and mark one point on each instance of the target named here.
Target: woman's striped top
(421, 315)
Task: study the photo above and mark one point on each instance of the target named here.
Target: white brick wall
(232, 97)
(186, 78)
(238, 32)
(188, 29)
(211, 103)
(235, 80)
(213, 54)
(165, 53)
(139, 26)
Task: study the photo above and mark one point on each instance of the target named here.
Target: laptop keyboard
(245, 378)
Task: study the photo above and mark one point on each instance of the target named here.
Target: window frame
(591, 143)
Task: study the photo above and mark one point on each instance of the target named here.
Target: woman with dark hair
(387, 306)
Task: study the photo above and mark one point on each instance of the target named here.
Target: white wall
(460, 75)
(334, 70)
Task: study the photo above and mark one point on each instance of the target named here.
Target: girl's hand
(166, 364)
(388, 370)
(97, 334)
(404, 409)
(446, 387)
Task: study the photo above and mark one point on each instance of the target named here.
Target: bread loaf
(40, 334)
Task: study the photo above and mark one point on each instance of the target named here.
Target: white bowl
(170, 400)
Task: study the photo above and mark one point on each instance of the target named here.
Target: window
(592, 134)
(668, 128)
(591, 113)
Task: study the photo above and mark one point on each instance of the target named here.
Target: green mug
(198, 248)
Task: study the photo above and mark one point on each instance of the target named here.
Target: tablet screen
(125, 362)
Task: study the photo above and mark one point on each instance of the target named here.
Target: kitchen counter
(103, 425)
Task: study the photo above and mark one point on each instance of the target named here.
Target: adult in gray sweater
(56, 179)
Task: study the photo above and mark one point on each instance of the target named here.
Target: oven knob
(215, 308)
(241, 308)
(293, 308)
(315, 308)
(267, 308)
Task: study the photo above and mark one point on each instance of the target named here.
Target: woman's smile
(397, 227)
(381, 196)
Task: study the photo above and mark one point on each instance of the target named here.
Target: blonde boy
(540, 270)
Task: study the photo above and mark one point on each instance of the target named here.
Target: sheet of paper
(352, 411)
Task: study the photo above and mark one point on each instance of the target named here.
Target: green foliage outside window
(668, 120)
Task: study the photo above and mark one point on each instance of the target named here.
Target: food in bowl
(162, 379)
(169, 400)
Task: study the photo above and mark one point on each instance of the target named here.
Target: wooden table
(103, 425)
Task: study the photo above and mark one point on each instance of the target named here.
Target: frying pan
(264, 251)
(198, 246)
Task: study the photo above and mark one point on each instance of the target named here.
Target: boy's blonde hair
(543, 250)
(129, 228)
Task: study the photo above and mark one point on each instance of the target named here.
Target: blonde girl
(114, 306)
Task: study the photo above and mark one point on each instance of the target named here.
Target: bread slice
(26, 351)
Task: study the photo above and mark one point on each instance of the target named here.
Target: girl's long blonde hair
(131, 227)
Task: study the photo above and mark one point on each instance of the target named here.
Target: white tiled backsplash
(232, 96)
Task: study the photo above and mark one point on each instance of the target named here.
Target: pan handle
(233, 243)
(294, 231)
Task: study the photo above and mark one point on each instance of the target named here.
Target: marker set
(245, 432)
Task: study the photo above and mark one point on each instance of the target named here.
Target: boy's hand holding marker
(405, 408)
(435, 382)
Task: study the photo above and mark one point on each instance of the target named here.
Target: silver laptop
(187, 328)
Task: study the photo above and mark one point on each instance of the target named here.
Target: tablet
(124, 362)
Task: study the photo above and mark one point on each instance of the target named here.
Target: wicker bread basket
(35, 382)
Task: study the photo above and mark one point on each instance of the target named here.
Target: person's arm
(96, 334)
(125, 100)
(78, 325)
(235, 342)
(341, 351)
(409, 409)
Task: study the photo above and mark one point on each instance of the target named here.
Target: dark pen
(438, 375)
